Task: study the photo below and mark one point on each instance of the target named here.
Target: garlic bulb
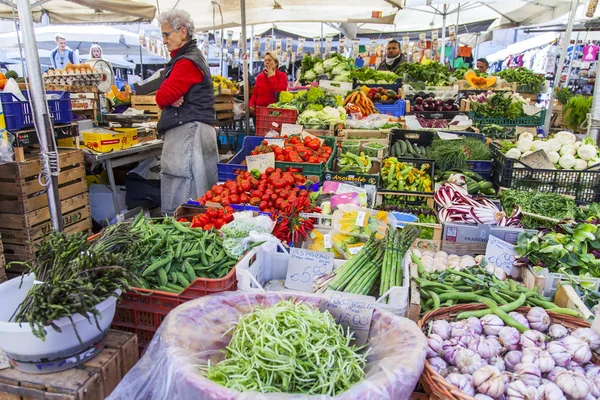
(488, 380)
(532, 339)
(538, 319)
(480, 396)
(560, 353)
(459, 328)
(434, 345)
(511, 359)
(517, 390)
(550, 391)
(579, 349)
(449, 348)
(491, 324)
(528, 373)
(493, 340)
(509, 337)
(573, 384)
(541, 358)
(483, 347)
(594, 386)
(552, 375)
(442, 328)
(461, 382)
(588, 335)
(520, 318)
(591, 370)
(475, 325)
(467, 361)
(439, 365)
(498, 362)
(557, 332)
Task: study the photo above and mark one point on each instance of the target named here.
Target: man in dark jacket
(394, 57)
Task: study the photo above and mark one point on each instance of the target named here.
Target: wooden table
(94, 380)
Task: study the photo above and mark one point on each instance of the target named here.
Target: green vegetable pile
(497, 132)
(475, 183)
(314, 99)
(322, 118)
(424, 214)
(453, 154)
(336, 67)
(459, 74)
(371, 76)
(550, 205)
(576, 110)
(288, 348)
(76, 275)
(563, 95)
(527, 81)
(476, 285)
(499, 105)
(434, 73)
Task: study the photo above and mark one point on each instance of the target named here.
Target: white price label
(260, 162)
(304, 266)
(327, 241)
(360, 218)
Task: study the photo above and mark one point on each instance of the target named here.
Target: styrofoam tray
(262, 265)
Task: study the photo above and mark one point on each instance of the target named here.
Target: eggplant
(439, 108)
(439, 103)
(431, 94)
(421, 94)
(450, 102)
(418, 107)
(430, 99)
(447, 107)
(418, 100)
(455, 107)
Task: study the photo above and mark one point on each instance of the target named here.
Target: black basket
(583, 185)
(392, 86)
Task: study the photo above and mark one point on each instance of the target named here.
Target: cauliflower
(567, 161)
(565, 137)
(567, 149)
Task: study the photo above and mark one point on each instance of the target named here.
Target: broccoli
(285, 97)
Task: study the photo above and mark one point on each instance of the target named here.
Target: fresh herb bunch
(76, 275)
(434, 73)
(497, 132)
(449, 154)
(499, 105)
(576, 110)
(527, 81)
(546, 204)
(563, 95)
(291, 348)
(372, 76)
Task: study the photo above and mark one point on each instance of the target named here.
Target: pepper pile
(296, 149)
(405, 177)
(212, 218)
(290, 226)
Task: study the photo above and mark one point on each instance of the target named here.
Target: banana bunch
(352, 162)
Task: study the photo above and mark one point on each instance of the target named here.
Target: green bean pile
(77, 275)
(450, 287)
(289, 347)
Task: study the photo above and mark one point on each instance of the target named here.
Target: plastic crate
(271, 119)
(18, 114)
(397, 109)
(552, 280)
(584, 185)
(421, 138)
(260, 266)
(536, 120)
(312, 169)
(483, 168)
(142, 310)
(392, 86)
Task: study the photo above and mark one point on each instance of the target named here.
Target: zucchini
(423, 151)
(392, 151)
(476, 176)
(403, 147)
(489, 191)
(485, 185)
(409, 147)
(473, 188)
(397, 149)
(417, 150)
(409, 155)
(428, 148)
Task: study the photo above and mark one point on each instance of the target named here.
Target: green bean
(436, 300)
(508, 320)
(506, 308)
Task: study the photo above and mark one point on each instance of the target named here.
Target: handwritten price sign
(260, 162)
(351, 311)
(304, 266)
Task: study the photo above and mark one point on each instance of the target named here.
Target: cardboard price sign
(304, 266)
(351, 311)
(538, 160)
(500, 253)
(260, 162)
(291, 129)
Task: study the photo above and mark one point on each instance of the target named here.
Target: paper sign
(360, 218)
(327, 241)
(345, 188)
(4, 362)
(305, 134)
(500, 253)
(304, 266)
(448, 136)
(260, 162)
(351, 311)
(538, 160)
(276, 141)
(523, 129)
(352, 249)
(291, 129)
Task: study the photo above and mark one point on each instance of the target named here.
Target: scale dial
(108, 76)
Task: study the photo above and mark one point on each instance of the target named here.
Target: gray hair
(59, 36)
(178, 19)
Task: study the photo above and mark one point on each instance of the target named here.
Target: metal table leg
(113, 186)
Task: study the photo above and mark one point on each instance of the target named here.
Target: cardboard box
(567, 297)
(103, 141)
(465, 239)
(132, 135)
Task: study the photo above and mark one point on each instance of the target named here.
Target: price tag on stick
(351, 311)
(304, 266)
(260, 162)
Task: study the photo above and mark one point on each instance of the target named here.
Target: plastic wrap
(193, 333)
(6, 150)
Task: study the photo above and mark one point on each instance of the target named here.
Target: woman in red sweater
(268, 84)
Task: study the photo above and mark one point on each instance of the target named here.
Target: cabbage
(580, 164)
(567, 149)
(310, 75)
(341, 68)
(567, 161)
(330, 63)
(319, 68)
(343, 77)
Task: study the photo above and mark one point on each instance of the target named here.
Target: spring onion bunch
(289, 347)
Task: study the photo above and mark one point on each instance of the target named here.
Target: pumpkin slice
(479, 81)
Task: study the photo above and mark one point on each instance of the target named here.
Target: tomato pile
(295, 149)
(212, 218)
(274, 190)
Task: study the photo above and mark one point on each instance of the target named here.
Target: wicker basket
(436, 385)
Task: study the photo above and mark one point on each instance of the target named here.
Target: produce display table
(119, 158)
(94, 380)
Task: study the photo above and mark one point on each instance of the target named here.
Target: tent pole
(595, 112)
(40, 113)
(561, 64)
(222, 52)
(141, 61)
(572, 59)
(443, 46)
(245, 66)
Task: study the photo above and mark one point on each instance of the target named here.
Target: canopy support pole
(443, 46)
(40, 112)
(595, 112)
(561, 64)
(245, 67)
(456, 42)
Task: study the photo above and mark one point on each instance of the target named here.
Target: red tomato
(271, 204)
(263, 205)
(274, 197)
(278, 202)
(254, 201)
(244, 198)
(208, 227)
(284, 194)
(245, 185)
(225, 201)
(217, 199)
(234, 199)
(269, 170)
(218, 189)
(292, 198)
(303, 193)
(265, 197)
(269, 191)
(256, 193)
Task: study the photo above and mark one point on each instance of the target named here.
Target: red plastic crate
(268, 119)
(142, 311)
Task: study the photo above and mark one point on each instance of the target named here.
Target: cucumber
(489, 191)
(403, 147)
(474, 188)
(476, 176)
(409, 147)
(417, 150)
(423, 151)
(428, 148)
(393, 151)
(446, 175)
(409, 155)
(398, 149)
(485, 185)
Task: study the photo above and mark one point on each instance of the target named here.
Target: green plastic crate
(313, 169)
(536, 120)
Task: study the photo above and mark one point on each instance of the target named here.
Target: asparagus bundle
(397, 244)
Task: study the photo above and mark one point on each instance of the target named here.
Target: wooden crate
(94, 380)
(2, 264)
(224, 107)
(146, 103)
(20, 191)
(567, 297)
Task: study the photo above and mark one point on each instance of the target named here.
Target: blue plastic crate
(398, 109)
(18, 114)
(226, 171)
(483, 168)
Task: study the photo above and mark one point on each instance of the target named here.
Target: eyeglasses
(165, 35)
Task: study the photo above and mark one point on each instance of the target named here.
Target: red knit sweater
(265, 88)
(183, 76)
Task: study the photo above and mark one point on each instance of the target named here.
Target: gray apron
(188, 163)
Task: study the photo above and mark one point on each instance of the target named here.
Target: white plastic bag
(192, 334)
(6, 150)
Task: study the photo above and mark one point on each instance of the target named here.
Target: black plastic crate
(449, 115)
(393, 86)
(584, 185)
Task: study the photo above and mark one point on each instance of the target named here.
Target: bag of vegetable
(194, 334)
